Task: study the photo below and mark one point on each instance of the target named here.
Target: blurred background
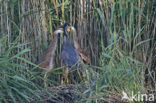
(117, 35)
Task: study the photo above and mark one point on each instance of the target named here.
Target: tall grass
(118, 36)
(16, 79)
(128, 54)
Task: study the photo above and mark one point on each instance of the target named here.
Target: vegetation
(118, 35)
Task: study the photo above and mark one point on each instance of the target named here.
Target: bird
(68, 55)
(77, 46)
(82, 56)
(46, 61)
(76, 50)
(71, 55)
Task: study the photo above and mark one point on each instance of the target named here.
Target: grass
(16, 83)
(118, 36)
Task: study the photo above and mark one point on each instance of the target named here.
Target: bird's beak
(69, 29)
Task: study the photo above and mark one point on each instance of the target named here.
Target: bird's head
(68, 28)
(59, 31)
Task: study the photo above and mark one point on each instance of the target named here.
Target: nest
(60, 94)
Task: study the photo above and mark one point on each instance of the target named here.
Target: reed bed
(117, 35)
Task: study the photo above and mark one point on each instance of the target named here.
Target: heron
(77, 46)
(46, 62)
(71, 55)
(82, 56)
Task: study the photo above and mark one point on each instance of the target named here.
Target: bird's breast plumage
(69, 55)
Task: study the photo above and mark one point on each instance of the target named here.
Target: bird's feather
(69, 55)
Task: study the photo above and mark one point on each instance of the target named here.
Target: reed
(117, 35)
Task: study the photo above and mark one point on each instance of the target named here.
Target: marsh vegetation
(119, 37)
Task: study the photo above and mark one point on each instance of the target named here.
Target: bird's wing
(64, 55)
(83, 56)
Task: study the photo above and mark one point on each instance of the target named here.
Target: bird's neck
(66, 39)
